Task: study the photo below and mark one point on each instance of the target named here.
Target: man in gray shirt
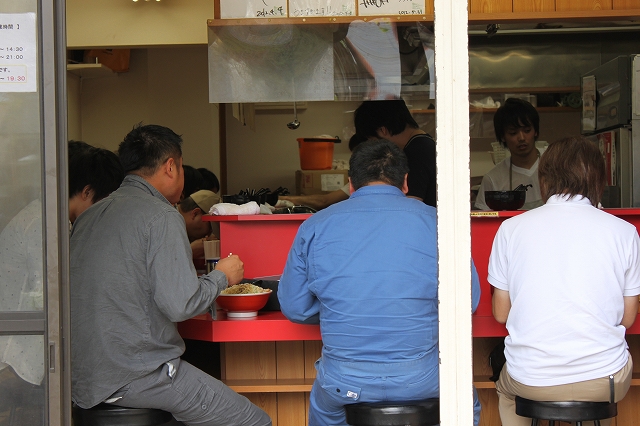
(132, 278)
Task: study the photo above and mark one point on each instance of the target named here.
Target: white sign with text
(234, 9)
(391, 7)
(18, 52)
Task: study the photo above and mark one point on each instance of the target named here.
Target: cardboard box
(310, 182)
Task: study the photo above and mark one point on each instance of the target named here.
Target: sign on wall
(234, 9)
(391, 7)
(310, 8)
(18, 52)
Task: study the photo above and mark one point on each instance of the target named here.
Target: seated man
(132, 279)
(192, 209)
(567, 279)
(93, 174)
(366, 270)
(517, 125)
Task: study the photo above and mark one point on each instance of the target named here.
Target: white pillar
(454, 229)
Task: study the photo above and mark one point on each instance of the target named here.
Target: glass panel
(22, 372)
(357, 61)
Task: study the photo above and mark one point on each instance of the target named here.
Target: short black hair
(97, 167)
(145, 148)
(356, 140)
(377, 160)
(193, 181)
(211, 181)
(392, 114)
(515, 113)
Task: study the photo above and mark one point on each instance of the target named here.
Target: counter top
(263, 242)
(267, 326)
(256, 217)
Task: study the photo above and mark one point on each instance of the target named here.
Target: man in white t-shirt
(567, 279)
(517, 126)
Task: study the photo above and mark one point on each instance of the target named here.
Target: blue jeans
(338, 384)
(192, 396)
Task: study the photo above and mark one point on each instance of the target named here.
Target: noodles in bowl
(246, 288)
(243, 300)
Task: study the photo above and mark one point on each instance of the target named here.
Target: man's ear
(405, 187)
(170, 167)
(351, 189)
(195, 212)
(86, 193)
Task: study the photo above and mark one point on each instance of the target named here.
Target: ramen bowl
(243, 305)
(505, 200)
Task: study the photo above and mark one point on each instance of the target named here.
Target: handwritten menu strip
(310, 8)
(234, 9)
(391, 7)
(18, 52)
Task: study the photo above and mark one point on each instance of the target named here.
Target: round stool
(410, 413)
(566, 411)
(113, 415)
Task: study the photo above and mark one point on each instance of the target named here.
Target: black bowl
(505, 200)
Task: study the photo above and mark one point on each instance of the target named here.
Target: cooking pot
(505, 200)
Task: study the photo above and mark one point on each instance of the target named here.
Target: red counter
(263, 242)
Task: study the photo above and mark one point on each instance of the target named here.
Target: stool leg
(578, 423)
(552, 423)
(534, 422)
(597, 423)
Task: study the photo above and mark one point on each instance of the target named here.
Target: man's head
(193, 181)
(211, 181)
(193, 208)
(155, 153)
(373, 117)
(378, 161)
(572, 166)
(516, 119)
(94, 173)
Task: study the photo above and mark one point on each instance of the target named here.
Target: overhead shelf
(90, 70)
(474, 18)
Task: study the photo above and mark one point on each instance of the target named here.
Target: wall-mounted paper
(391, 7)
(234, 9)
(18, 52)
(310, 8)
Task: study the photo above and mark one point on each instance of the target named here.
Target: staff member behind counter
(517, 125)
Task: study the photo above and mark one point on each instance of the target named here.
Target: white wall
(165, 86)
(124, 23)
(268, 157)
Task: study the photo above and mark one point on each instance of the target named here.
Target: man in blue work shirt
(366, 270)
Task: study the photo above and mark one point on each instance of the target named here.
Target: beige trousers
(590, 390)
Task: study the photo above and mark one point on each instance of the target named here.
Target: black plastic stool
(113, 415)
(410, 413)
(566, 411)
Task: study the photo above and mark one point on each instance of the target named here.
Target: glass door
(32, 386)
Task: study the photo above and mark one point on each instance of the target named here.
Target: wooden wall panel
(248, 360)
(312, 351)
(520, 6)
(570, 5)
(291, 409)
(626, 4)
(490, 6)
(290, 359)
